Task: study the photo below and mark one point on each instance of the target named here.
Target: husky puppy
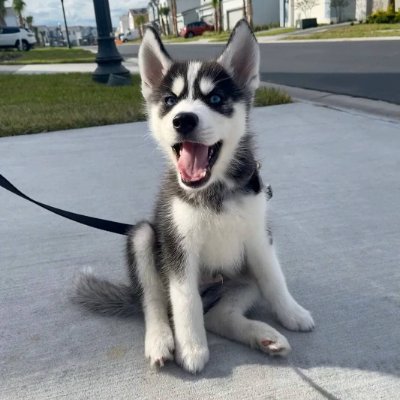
(210, 216)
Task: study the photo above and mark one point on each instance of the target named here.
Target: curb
(378, 108)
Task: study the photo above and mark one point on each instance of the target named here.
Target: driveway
(336, 221)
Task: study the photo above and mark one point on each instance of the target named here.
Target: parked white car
(131, 35)
(20, 38)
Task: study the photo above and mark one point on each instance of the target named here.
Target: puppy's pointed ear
(154, 61)
(241, 57)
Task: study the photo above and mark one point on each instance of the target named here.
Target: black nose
(185, 122)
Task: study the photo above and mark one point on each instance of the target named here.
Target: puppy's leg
(265, 267)
(227, 319)
(191, 350)
(159, 340)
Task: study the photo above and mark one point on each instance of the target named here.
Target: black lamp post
(108, 58)
(65, 23)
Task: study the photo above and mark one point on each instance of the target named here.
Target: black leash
(110, 226)
(254, 185)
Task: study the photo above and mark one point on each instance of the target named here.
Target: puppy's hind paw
(269, 340)
(280, 347)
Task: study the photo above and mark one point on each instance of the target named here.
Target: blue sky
(79, 12)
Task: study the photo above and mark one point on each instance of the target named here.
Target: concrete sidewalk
(336, 221)
(131, 64)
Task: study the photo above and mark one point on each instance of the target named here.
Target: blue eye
(170, 101)
(215, 99)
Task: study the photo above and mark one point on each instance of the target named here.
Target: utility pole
(65, 23)
(108, 59)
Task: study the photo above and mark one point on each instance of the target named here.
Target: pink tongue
(193, 161)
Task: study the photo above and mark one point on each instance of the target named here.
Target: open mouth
(195, 161)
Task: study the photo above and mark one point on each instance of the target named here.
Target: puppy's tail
(104, 297)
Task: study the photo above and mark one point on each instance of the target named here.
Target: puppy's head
(198, 110)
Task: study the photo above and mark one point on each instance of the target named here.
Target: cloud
(78, 12)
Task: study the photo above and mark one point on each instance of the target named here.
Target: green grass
(354, 31)
(47, 56)
(43, 103)
(174, 39)
(224, 36)
(274, 32)
(266, 96)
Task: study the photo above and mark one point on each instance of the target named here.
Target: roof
(138, 11)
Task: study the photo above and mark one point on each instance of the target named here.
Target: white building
(265, 12)
(123, 25)
(326, 12)
(10, 18)
(133, 13)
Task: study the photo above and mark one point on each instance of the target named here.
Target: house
(265, 12)
(330, 11)
(10, 18)
(133, 13)
(367, 7)
(127, 22)
(186, 12)
(123, 25)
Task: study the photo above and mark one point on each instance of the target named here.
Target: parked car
(195, 29)
(20, 38)
(131, 35)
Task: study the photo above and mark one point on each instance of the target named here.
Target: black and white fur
(209, 228)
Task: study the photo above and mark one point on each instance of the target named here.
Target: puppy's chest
(219, 239)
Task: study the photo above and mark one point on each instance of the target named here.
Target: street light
(108, 58)
(65, 22)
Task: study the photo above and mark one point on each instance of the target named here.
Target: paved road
(369, 69)
(336, 221)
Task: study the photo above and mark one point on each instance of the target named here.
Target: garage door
(234, 16)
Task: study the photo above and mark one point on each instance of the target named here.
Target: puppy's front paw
(295, 317)
(192, 356)
(159, 345)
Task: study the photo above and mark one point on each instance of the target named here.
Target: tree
(29, 21)
(2, 12)
(391, 6)
(19, 6)
(339, 5)
(305, 6)
(155, 4)
(216, 18)
(164, 11)
(174, 18)
(249, 12)
(220, 17)
(140, 20)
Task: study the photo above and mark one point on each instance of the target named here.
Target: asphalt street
(369, 69)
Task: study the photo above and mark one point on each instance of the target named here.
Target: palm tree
(140, 20)
(155, 5)
(174, 19)
(249, 12)
(164, 11)
(19, 6)
(2, 12)
(218, 23)
(220, 17)
(215, 7)
(29, 21)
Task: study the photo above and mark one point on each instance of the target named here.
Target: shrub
(384, 17)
